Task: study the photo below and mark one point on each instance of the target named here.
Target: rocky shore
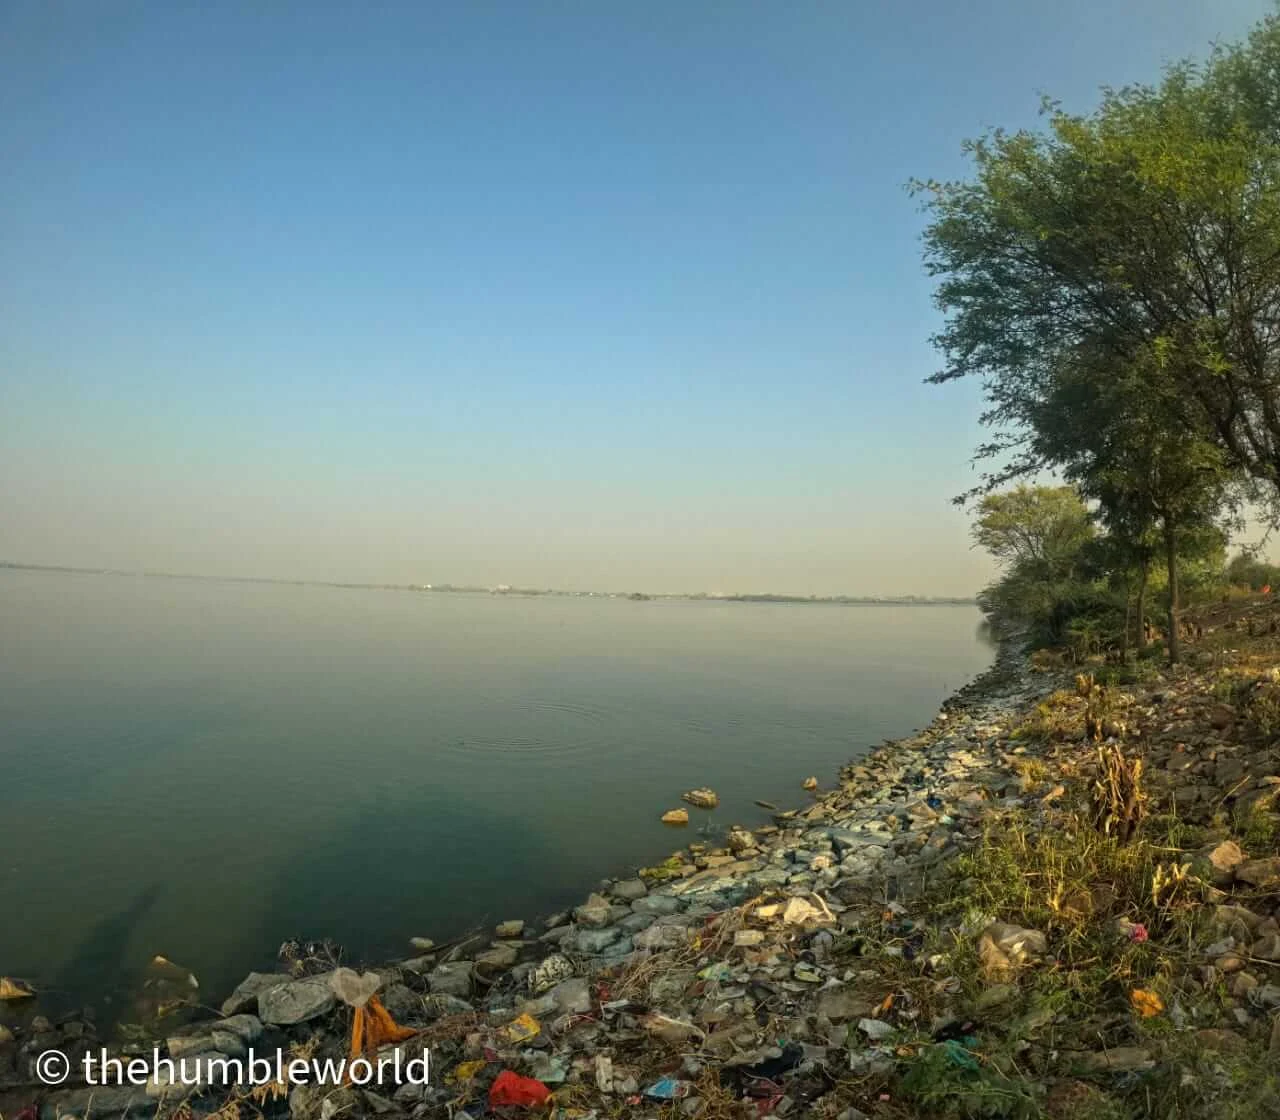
(900, 946)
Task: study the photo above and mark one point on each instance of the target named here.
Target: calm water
(205, 769)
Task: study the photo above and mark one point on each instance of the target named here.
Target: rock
(323, 1101)
(498, 958)
(703, 798)
(596, 940)
(1259, 872)
(594, 912)
(195, 1071)
(676, 816)
(739, 839)
(656, 904)
(1267, 948)
(245, 997)
(1221, 1040)
(98, 1100)
(1242, 983)
(1004, 948)
(995, 996)
(1221, 716)
(509, 930)
(248, 1028)
(1118, 1059)
(451, 979)
(629, 889)
(419, 965)
(296, 1001)
(1223, 859)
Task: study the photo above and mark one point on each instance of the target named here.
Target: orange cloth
(374, 1027)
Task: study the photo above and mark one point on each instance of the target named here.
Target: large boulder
(297, 1001)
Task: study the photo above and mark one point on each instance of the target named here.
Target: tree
(1114, 431)
(1146, 237)
(1041, 536)
(1040, 527)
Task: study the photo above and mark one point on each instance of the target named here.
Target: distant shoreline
(503, 589)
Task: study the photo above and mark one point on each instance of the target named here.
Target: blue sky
(578, 295)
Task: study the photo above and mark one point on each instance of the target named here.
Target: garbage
(674, 1031)
(676, 816)
(14, 989)
(547, 1069)
(875, 1029)
(464, 1072)
(668, 1089)
(782, 1061)
(811, 783)
(549, 973)
(521, 1029)
(510, 1088)
(604, 1073)
(1146, 1003)
(372, 1025)
(703, 798)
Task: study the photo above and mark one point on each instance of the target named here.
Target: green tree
(1144, 236)
(1035, 527)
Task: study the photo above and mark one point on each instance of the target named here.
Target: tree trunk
(1171, 559)
(1128, 619)
(1143, 574)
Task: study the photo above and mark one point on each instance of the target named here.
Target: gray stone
(634, 923)
(191, 1073)
(296, 1001)
(248, 1028)
(245, 997)
(99, 1100)
(656, 904)
(497, 958)
(315, 1102)
(419, 965)
(629, 889)
(593, 912)
(1259, 872)
(596, 940)
(452, 979)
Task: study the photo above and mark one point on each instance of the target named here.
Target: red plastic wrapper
(511, 1089)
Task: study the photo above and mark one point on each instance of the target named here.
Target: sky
(577, 295)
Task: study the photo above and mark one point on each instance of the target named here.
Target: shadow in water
(98, 967)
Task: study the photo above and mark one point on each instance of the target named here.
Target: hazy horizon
(566, 296)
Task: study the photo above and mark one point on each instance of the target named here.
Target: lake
(203, 769)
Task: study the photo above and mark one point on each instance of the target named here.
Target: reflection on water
(203, 770)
